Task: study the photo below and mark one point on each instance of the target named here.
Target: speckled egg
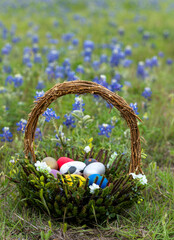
(51, 162)
(73, 167)
(94, 168)
(73, 178)
(93, 177)
(63, 160)
(90, 160)
(54, 172)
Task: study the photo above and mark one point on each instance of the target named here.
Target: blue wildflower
(141, 71)
(161, 54)
(78, 105)
(128, 51)
(88, 44)
(49, 114)
(38, 134)
(37, 58)
(18, 80)
(115, 85)
(21, 125)
(39, 95)
(71, 76)
(75, 41)
(147, 93)
(9, 80)
(52, 56)
(103, 58)
(70, 120)
(105, 129)
(6, 136)
(169, 61)
(40, 85)
(80, 69)
(134, 107)
(126, 62)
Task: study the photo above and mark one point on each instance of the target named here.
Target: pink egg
(54, 172)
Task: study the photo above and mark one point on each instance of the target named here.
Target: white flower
(105, 125)
(142, 178)
(12, 161)
(93, 187)
(87, 149)
(42, 167)
(6, 129)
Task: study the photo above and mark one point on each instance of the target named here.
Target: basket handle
(81, 87)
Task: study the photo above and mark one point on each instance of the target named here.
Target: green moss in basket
(71, 201)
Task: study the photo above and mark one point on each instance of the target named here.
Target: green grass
(154, 217)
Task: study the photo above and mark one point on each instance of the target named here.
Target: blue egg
(93, 177)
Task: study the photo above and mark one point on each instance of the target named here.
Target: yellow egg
(51, 162)
(74, 178)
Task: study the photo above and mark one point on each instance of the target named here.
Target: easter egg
(54, 172)
(63, 160)
(73, 167)
(74, 178)
(90, 160)
(51, 162)
(93, 177)
(94, 168)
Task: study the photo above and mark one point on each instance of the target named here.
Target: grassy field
(44, 42)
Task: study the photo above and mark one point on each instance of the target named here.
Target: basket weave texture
(82, 87)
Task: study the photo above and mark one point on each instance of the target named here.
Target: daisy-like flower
(142, 178)
(93, 187)
(87, 149)
(42, 167)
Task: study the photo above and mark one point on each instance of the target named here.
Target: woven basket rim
(80, 87)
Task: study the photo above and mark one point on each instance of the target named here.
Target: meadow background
(126, 46)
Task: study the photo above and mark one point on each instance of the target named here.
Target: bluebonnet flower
(38, 134)
(152, 62)
(141, 71)
(96, 65)
(35, 48)
(169, 61)
(102, 81)
(126, 62)
(115, 85)
(71, 76)
(70, 120)
(146, 35)
(128, 84)
(9, 80)
(147, 93)
(75, 41)
(105, 129)
(88, 44)
(40, 85)
(39, 95)
(103, 58)
(6, 136)
(116, 57)
(18, 80)
(78, 105)
(26, 59)
(7, 69)
(6, 49)
(52, 56)
(21, 125)
(53, 41)
(67, 37)
(80, 69)
(166, 34)
(161, 54)
(134, 107)
(35, 39)
(140, 29)
(37, 58)
(128, 51)
(16, 39)
(56, 23)
(121, 31)
(49, 114)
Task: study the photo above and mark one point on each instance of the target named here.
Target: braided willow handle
(81, 87)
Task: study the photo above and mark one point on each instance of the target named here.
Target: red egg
(63, 160)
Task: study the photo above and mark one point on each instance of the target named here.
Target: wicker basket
(73, 203)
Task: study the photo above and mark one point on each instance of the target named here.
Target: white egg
(76, 167)
(94, 168)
